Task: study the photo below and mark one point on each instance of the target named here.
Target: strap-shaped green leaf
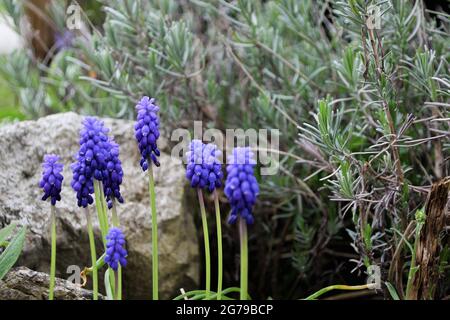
(9, 257)
(109, 293)
(392, 291)
(6, 231)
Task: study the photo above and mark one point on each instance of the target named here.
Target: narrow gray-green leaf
(9, 257)
(392, 291)
(108, 285)
(6, 231)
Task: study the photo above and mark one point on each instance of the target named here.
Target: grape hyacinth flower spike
(241, 189)
(88, 171)
(204, 171)
(116, 254)
(147, 133)
(51, 183)
(113, 179)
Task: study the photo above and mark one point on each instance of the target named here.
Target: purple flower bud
(115, 249)
(241, 186)
(91, 160)
(203, 168)
(113, 175)
(147, 131)
(51, 178)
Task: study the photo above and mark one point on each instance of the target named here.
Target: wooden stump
(429, 246)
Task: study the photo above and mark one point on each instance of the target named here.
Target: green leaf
(392, 291)
(368, 236)
(6, 231)
(109, 293)
(12, 252)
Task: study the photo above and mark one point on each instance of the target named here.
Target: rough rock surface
(25, 284)
(23, 146)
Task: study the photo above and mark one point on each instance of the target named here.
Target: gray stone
(25, 284)
(23, 146)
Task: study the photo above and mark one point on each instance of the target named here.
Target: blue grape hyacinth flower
(115, 249)
(91, 160)
(147, 131)
(204, 169)
(52, 178)
(241, 186)
(114, 175)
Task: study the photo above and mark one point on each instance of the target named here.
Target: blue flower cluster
(147, 131)
(51, 178)
(241, 186)
(114, 174)
(91, 160)
(115, 249)
(203, 168)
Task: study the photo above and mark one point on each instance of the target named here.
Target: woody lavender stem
(151, 186)
(206, 240)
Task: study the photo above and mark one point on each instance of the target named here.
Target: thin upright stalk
(115, 221)
(206, 240)
(219, 246)
(100, 205)
(151, 186)
(244, 258)
(104, 206)
(53, 253)
(93, 254)
(115, 217)
(100, 214)
(116, 281)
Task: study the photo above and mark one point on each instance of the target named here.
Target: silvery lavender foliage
(51, 178)
(114, 174)
(91, 160)
(204, 169)
(241, 186)
(115, 249)
(147, 131)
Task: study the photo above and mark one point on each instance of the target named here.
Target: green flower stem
(115, 217)
(206, 239)
(101, 207)
(219, 246)
(338, 287)
(99, 264)
(119, 283)
(244, 259)
(116, 281)
(93, 254)
(151, 186)
(100, 213)
(104, 206)
(115, 221)
(53, 253)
